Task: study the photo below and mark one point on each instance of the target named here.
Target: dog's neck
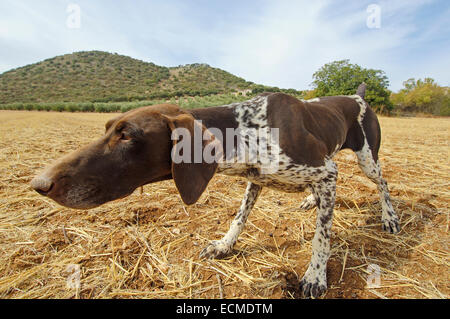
(221, 117)
(218, 117)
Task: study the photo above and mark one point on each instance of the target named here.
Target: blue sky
(279, 43)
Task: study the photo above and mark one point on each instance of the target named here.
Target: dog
(138, 148)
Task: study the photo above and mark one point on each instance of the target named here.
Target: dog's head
(135, 150)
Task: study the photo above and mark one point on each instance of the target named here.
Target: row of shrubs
(160, 95)
(73, 107)
(185, 102)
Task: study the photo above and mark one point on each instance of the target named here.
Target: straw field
(148, 245)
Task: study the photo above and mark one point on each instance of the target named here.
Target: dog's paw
(308, 203)
(391, 225)
(312, 289)
(216, 250)
(313, 283)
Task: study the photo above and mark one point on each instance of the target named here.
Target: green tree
(343, 78)
(423, 96)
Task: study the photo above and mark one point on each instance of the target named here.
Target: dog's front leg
(222, 247)
(314, 282)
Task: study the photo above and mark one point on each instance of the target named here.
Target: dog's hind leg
(372, 170)
(222, 247)
(364, 138)
(368, 162)
(314, 282)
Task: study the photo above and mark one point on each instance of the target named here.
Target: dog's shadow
(365, 245)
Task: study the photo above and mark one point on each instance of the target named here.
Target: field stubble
(148, 245)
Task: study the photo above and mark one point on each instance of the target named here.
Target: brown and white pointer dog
(136, 150)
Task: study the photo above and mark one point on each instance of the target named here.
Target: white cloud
(280, 43)
(293, 40)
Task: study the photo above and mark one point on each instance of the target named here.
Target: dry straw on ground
(147, 245)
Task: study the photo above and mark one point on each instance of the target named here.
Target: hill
(96, 76)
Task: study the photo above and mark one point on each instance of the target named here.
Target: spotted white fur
(290, 177)
(314, 282)
(372, 170)
(293, 177)
(363, 106)
(222, 247)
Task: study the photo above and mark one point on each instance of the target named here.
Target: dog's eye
(124, 136)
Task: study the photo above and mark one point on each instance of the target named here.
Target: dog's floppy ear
(191, 170)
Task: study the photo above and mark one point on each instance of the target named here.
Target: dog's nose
(42, 185)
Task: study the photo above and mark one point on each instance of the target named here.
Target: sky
(277, 43)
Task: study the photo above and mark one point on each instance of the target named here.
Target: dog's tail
(361, 90)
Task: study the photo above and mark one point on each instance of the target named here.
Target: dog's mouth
(88, 198)
(86, 194)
